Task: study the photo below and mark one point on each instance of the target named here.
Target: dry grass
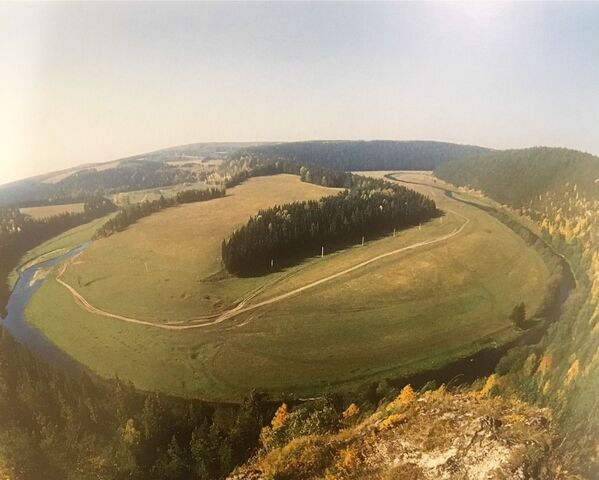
(160, 269)
(439, 436)
(52, 210)
(414, 311)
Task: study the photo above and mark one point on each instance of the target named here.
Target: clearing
(167, 267)
(416, 309)
(51, 210)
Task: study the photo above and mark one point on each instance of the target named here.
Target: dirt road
(243, 307)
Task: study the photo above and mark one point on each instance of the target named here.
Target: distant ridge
(344, 155)
(369, 155)
(517, 177)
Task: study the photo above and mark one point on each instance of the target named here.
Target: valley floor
(399, 305)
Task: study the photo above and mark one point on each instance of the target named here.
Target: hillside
(518, 177)
(558, 189)
(367, 155)
(334, 323)
(357, 339)
(169, 166)
(434, 435)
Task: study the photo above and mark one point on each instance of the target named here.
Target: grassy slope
(378, 322)
(160, 268)
(57, 246)
(152, 194)
(518, 177)
(50, 210)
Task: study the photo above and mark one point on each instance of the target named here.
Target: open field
(152, 194)
(57, 246)
(164, 268)
(55, 178)
(401, 314)
(51, 210)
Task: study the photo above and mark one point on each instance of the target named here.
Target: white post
(321, 252)
(394, 232)
(362, 241)
(272, 262)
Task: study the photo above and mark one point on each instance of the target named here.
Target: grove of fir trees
(289, 232)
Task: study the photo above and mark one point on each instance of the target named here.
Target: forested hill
(132, 175)
(367, 155)
(559, 190)
(518, 177)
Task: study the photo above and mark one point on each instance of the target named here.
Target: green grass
(57, 246)
(152, 194)
(407, 313)
(167, 266)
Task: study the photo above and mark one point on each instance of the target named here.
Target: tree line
(242, 168)
(527, 177)
(366, 155)
(20, 233)
(289, 232)
(132, 213)
(61, 426)
(127, 176)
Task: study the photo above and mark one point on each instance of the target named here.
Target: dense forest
(20, 233)
(292, 231)
(366, 155)
(519, 177)
(61, 426)
(559, 190)
(131, 213)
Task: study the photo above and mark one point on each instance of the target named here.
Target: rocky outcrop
(437, 435)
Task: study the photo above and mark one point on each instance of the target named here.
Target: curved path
(242, 308)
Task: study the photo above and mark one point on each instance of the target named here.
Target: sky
(90, 82)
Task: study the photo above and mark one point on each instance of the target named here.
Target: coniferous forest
(59, 425)
(285, 233)
(367, 155)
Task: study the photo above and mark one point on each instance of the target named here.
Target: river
(464, 370)
(23, 331)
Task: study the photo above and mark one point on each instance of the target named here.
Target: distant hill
(204, 150)
(160, 168)
(82, 183)
(369, 155)
(147, 170)
(518, 177)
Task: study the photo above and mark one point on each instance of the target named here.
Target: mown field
(405, 313)
(166, 268)
(152, 194)
(51, 210)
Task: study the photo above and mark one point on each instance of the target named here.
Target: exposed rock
(440, 436)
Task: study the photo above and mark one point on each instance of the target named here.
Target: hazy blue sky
(93, 82)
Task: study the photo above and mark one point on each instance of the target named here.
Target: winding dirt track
(242, 308)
